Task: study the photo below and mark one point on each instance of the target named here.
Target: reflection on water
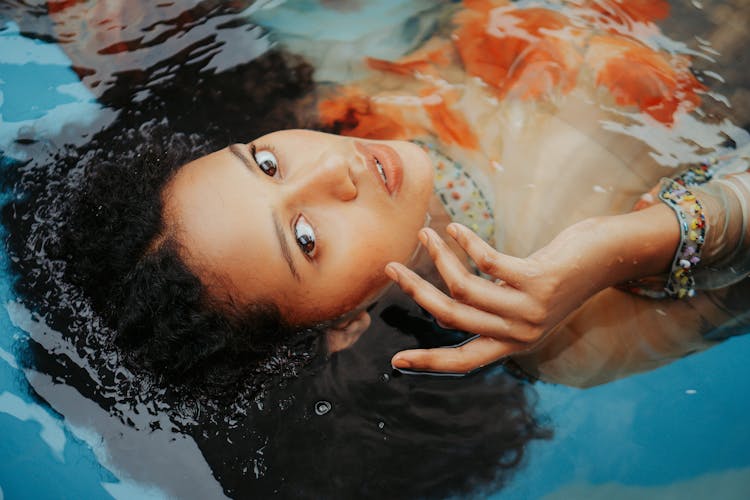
(349, 423)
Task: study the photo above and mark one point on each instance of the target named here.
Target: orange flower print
(398, 68)
(450, 126)
(353, 113)
(632, 10)
(518, 51)
(426, 60)
(55, 6)
(484, 5)
(657, 83)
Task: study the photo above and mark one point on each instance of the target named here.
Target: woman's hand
(529, 298)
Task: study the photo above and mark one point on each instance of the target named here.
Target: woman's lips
(389, 160)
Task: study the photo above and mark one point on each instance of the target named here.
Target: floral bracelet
(689, 210)
(675, 194)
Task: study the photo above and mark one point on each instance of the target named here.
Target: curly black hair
(108, 210)
(160, 309)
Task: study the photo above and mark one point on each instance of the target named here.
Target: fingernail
(402, 363)
(391, 272)
(424, 236)
(452, 229)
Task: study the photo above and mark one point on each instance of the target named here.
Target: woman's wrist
(645, 244)
(606, 251)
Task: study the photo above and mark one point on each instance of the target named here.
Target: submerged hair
(164, 317)
(92, 216)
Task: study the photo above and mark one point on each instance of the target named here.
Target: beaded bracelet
(689, 211)
(697, 174)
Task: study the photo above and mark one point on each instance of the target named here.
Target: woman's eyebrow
(281, 235)
(236, 151)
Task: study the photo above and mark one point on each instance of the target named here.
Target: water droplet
(381, 425)
(385, 377)
(691, 391)
(322, 407)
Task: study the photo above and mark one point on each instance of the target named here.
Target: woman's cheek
(369, 262)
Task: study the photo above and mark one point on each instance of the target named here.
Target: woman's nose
(331, 177)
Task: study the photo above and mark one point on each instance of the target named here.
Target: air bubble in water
(322, 407)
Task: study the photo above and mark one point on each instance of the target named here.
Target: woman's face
(302, 219)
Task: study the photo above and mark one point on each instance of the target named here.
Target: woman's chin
(418, 185)
(420, 161)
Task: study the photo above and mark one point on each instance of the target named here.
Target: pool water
(68, 432)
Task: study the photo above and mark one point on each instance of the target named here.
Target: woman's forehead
(223, 220)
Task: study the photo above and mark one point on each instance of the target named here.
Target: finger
(463, 359)
(446, 310)
(488, 260)
(468, 288)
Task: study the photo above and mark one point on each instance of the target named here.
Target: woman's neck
(460, 197)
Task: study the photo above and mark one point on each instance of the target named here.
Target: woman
(261, 260)
(329, 213)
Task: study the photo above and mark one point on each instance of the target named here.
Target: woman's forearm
(644, 244)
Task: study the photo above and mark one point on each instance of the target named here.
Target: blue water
(677, 432)
(42, 455)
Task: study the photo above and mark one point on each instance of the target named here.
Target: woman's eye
(267, 161)
(305, 236)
